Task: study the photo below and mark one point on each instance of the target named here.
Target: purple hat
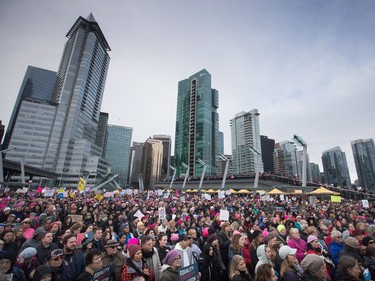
(311, 238)
(171, 256)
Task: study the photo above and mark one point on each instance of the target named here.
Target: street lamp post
(257, 154)
(302, 143)
(225, 170)
(186, 175)
(203, 173)
(174, 175)
(23, 168)
(1, 163)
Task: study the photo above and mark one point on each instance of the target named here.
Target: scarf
(135, 266)
(148, 255)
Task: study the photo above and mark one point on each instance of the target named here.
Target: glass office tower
(197, 125)
(335, 167)
(117, 151)
(364, 157)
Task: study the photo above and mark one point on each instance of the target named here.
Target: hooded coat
(262, 258)
(168, 273)
(33, 242)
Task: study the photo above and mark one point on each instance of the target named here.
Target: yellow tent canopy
(244, 191)
(298, 191)
(275, 191)
(323, 191)
(260, 191)
(233, 190)
(211, 191)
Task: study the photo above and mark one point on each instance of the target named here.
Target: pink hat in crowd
(133, 241)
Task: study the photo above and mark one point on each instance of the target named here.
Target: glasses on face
(338, 237)
(26, 222)
(58, 258)
(112, 247)
(190, 237)
(371, 242)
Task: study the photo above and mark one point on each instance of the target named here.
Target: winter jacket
(74, 265)
(370, 264)
(117, 260)
(126, 276)
(335, 249)
(292, 276)
(243, 276)
(300, 246)
(262, 258)
(155, 264)
(190, 258)
(168, 273)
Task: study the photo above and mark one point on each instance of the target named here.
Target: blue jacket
(335, 249)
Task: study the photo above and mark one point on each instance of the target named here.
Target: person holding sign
(135, 266)
(171, 263)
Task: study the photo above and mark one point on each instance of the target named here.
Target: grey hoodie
(262, 258)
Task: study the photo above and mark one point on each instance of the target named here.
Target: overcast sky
(307, 66)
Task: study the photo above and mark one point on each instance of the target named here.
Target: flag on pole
(81, 184)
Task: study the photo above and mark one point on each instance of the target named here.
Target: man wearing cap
(185, 251)
(112, 256)
(151, 255)
(54, 263)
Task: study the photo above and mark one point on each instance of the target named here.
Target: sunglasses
(339, 236)
(58, 258)
(27, 222)
(371, 242)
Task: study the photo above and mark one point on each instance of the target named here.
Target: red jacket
(126, 276)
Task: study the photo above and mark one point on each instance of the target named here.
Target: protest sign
(221, 194)
(139, 214)
(105, 274)
(224, 215)
(162, 214)
(228, 192)
(365, 203)
(336, 199)
(76, 218)
(189, 273)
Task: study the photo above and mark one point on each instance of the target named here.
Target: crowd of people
(142, 237)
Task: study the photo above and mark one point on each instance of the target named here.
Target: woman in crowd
(264, 256)
(238, 271)
(161, 246)
(171, 263)
(224, 241)
(171, 229)
(314, 268)
(212, 267)
(290, 269)
(93, 261)
(19, 238)
(136, 266)
(348, 269)
(255, 243)
(86, 245)
(235, 247)
(265, 273)
(295, 242)
(8, 238)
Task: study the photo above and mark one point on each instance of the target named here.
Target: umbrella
(275, 191)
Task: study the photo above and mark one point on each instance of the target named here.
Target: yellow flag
(336, 199)
(98, 197)
(81, 184)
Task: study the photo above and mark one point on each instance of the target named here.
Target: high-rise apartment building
(286, 159)
(335, 167)
(152, 160)
(71, 100)
(315, 172)
(268, 146)
(364, 157)
(117, 151)
(135, 170)
(2, 130)
(245, 135)
(167, 147)
(197, 125)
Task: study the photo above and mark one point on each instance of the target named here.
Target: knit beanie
(280, 227)
(133, 241)
(367, 239)
(174, 237)
(256, 233)
(171, 256)
(312, 263)
(40, 272)
(352, 242)
(133, 249)
(212, 238)
(27, 253)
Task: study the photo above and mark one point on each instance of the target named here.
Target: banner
(336, 199)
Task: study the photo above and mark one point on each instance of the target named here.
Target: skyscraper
(245, 134)
(335, 167)
(364, 157)
(135, 170)
(268, 146)
(79, 91)
(101, 135)
(197, 125)
(55, 119)
(167, 146)
(117, 151)
(152, 159)
(37, 85)
(315, 172)
(286, 159)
